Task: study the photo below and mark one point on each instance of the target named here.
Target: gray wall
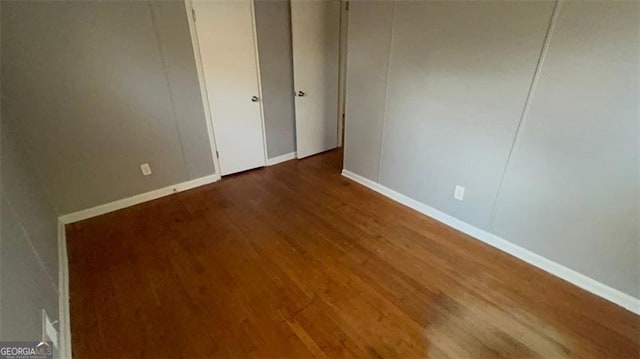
(28, 246)
(366, 84)
(90, 90)
(571, 189)
(97, 88)
(560, 180)
(273, 27)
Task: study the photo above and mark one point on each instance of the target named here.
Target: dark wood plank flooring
(295, 261)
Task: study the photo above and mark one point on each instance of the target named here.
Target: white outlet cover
(459, 193)
(146, 169)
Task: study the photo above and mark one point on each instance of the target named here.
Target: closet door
(227, 42)
(315, 31)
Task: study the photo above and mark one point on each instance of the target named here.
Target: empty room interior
(319, 179)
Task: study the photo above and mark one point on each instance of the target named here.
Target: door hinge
(347, 6)
(217, 154)
(193, 14)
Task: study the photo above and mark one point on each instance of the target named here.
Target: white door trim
(342, 70)
(203, 88)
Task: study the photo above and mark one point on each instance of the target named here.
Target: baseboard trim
(137, 199)
(281, 158)
(591, 285)
(64, 317)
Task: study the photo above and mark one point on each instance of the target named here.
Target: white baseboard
(63, 274)
(281, 158)
(64, 317)
(613, 295)
(137, 199)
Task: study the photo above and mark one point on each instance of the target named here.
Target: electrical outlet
(459, 193)
(146, 169)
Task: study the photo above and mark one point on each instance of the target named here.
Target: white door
(315, 29)
(226, 38)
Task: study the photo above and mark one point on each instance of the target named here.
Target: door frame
(342, 69)
(189, 9)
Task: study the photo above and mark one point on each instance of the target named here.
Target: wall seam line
(386, 94)
(31, 246)
(527, 105)
(171, 97)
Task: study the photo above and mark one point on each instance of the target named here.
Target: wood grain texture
(295, 261)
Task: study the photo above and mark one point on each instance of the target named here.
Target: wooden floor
(295, 261)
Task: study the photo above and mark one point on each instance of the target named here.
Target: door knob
(254, 99)
(300, 93)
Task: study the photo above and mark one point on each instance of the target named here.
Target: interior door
(226, 37)
(315, 28)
